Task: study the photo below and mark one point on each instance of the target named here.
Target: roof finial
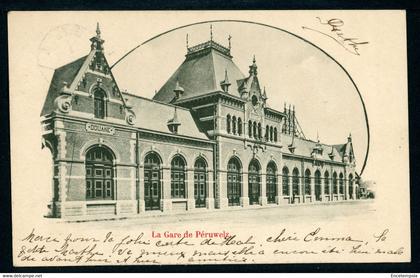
(225, 83)
(317, 136)
(187, 41)
(229, 38)
(264, 95)
(98, 31)
(253, 67)
(349, 138)
(211, 32)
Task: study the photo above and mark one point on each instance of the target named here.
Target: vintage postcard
(209, 137)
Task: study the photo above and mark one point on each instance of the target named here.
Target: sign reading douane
(100, 129)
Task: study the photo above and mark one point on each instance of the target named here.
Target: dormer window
(99, 104)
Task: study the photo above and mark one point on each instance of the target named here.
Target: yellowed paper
(184, 151)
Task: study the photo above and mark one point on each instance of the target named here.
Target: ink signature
(336, 33)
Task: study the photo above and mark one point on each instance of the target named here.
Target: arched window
(295, 182)
(341, 182)
(200, 188)
(234, 125)
(239, 126)
(178, 177)
(327, 183)
(267, 131)
(351, 186)
(250, 129)
(259, 131)
(307, 182)
(271, 182)
(318, 185)
(334, 183)
(254, 130)
(233, 182)
(275, 134)
(99, 104)
(99, 174)
(271, 134)
(254, 182)
(228, 119)
(285, 179)
(152, 181)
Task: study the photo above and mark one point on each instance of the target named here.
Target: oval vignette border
(278, 29)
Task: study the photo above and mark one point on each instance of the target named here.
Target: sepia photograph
(208, 137)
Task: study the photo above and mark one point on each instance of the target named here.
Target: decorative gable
(92, 91)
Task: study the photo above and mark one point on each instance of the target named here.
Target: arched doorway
(327, 184)
(271, 182)
(234, 182)
(178, 167)
(318, 185)
(200, 188)
(285, 181)
(152, 181)
(295, 184)
(254, 182)
(307, 183)
(351, 187)
(99, 174)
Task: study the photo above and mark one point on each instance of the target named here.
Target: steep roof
(153, 115)
(66, 73)
(202, 72)
(304, 147)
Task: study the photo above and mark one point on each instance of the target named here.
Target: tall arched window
(327, 183)
(234, 125)
(228, 123)
(254, 130)
(275, 134)
(341, 182)
(295, 182)
(152, 181)
(285, 182)
(233, 182)
(250, 129)
(271, 182)
(334, 183)
(99, 174)
(178, 177)
(271, 134)
(200, 184)
(254, 182)
(259, 131)
(318, 185)
(351, 187)
(239, 126)
(267, 132)
(307, 182)
(99, 104)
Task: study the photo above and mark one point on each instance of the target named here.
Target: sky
(292, 70)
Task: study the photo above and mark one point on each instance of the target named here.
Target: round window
(254, 100)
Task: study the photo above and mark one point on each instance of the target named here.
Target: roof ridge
(72, 62)
(213, 68)
(156, 101)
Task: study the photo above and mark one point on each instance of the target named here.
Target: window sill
(101, 202)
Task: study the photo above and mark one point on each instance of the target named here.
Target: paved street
(361, 210)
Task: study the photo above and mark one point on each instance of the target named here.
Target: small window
(99, 104)
(228, 123)
(254, 100)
